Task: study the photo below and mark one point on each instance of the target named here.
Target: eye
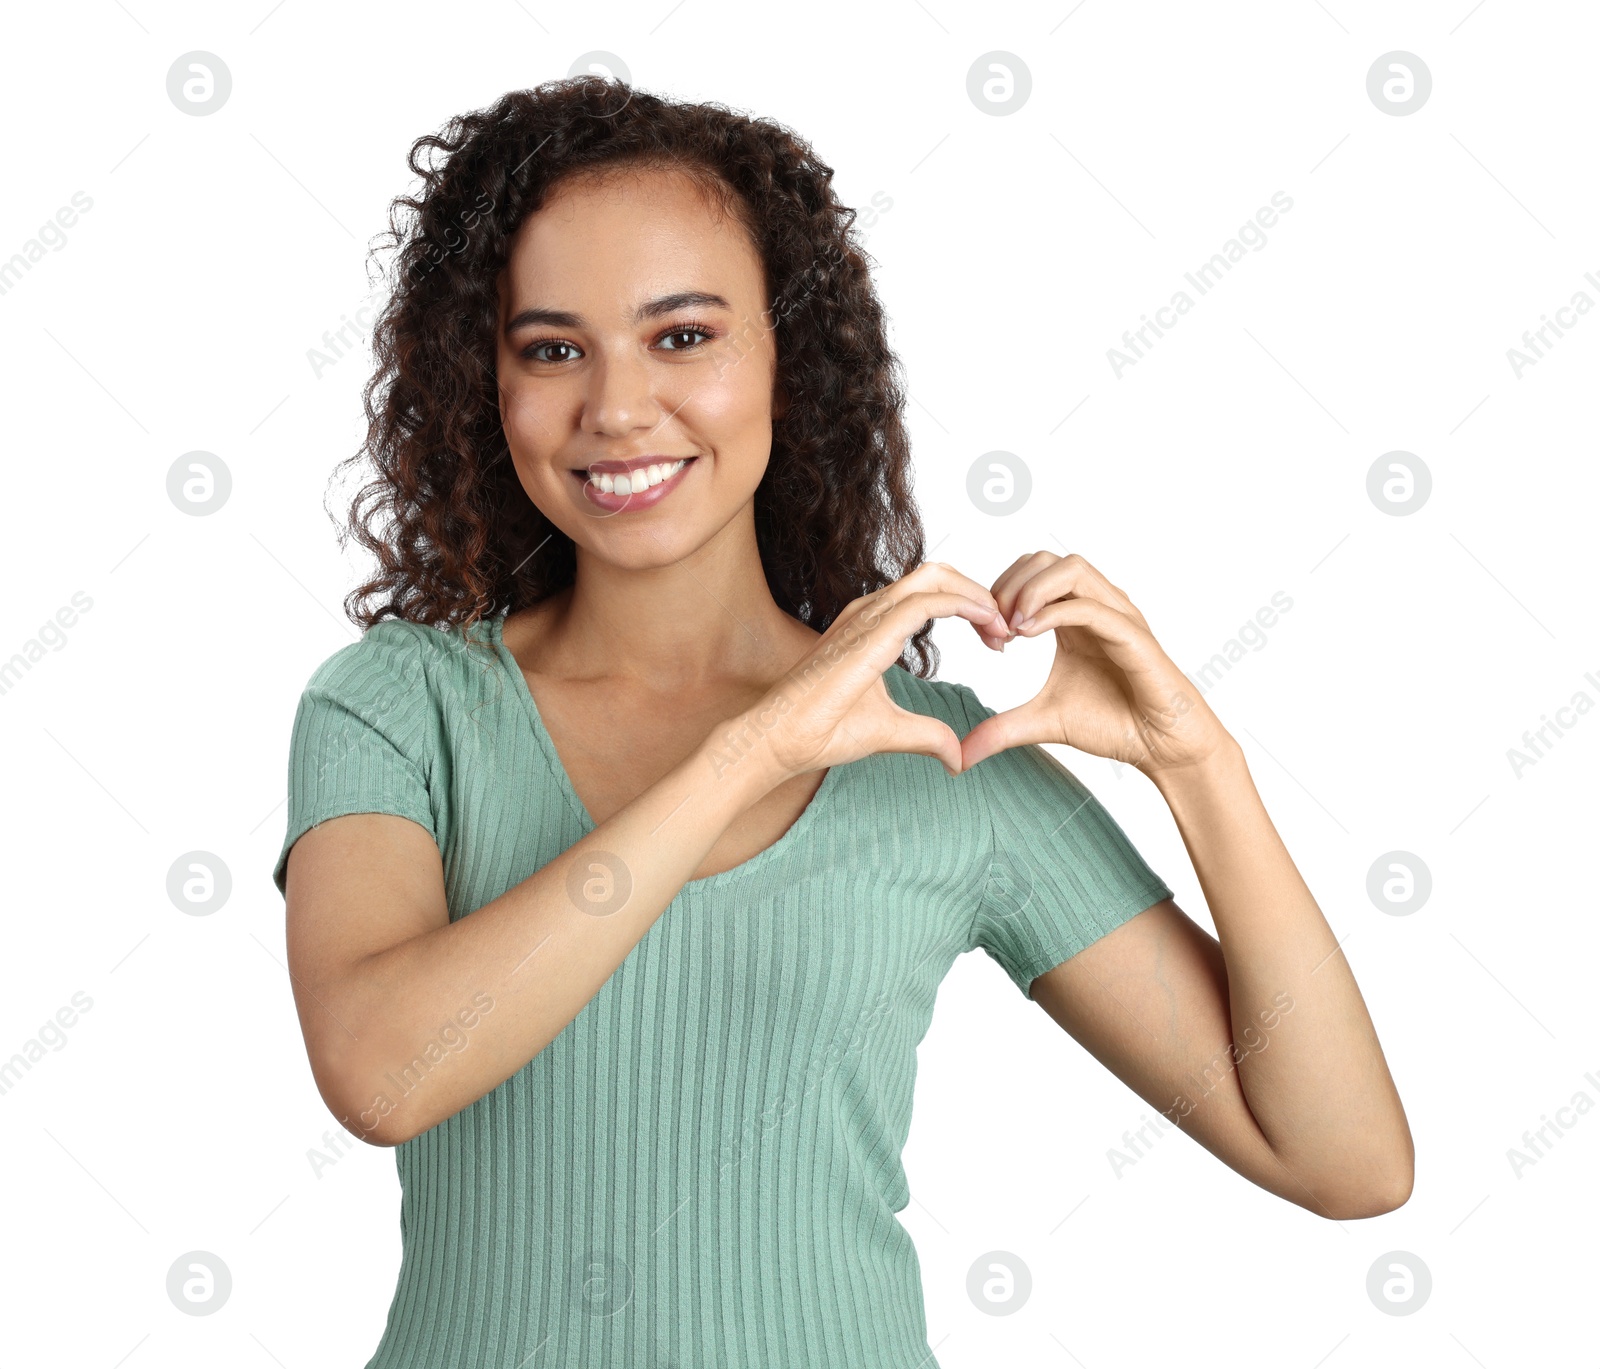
(531, 352)
(689, 330)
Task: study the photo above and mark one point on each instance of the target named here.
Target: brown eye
(531, 352)
(689, 330)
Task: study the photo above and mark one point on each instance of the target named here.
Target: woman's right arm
(388, 988)
(379, 969)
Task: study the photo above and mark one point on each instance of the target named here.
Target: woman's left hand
(1112, 690)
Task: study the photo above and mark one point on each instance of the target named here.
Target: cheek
(527, 421)
(735, 403)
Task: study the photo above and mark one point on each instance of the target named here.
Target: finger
(918, 734)
(929, 576)
(975, 604)
(1122, 601)
(941, 575)
(1112, 594)
(1126, 643)
(1017, 574)
(1071, 575)
(1063, 576)
(991, 636)
(1131, 609)
(1020, 726)
(872, 640)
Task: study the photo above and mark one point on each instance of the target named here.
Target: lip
(627, 503)
(634, 463)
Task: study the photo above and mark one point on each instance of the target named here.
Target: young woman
(629, 845)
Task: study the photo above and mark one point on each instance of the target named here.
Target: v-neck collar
(786, 844)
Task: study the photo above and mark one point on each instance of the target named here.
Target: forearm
(1308, 1058)
(535, 955)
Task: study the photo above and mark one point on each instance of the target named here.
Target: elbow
(357, 1087)
(384, 1131)
(384, 1124)
(374, 1120)
(1377, 1182)
(1374, 1200)
(366, 1124)
(386, 1134)
(1398, 1192)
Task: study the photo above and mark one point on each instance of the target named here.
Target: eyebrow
(655, 308)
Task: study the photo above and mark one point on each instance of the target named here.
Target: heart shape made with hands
(1110, 691)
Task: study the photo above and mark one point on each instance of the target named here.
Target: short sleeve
(361, 740)
(1062, 872)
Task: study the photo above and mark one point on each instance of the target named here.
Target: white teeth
(640, 480)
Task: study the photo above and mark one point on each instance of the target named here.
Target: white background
(1227, 464)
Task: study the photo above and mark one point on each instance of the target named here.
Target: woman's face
(633, 327)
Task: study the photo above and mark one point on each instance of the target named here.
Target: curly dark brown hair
(835, 516)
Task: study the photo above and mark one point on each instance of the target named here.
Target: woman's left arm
(1257, 1042)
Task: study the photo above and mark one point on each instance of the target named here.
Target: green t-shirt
(703, 1168)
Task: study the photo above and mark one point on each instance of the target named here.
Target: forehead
(600, 244)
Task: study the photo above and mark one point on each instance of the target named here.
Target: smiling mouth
(630, 491)
(637, 481)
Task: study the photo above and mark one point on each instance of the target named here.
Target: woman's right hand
(832, 707)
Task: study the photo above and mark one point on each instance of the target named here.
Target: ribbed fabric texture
(703, 1168)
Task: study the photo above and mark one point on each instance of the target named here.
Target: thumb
(1020, 726)
(921, 735)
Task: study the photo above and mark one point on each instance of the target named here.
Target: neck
(680, 626)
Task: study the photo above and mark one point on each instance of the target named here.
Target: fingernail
(1025, 624)
(1016, 613)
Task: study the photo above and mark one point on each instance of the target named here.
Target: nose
(621, 397)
